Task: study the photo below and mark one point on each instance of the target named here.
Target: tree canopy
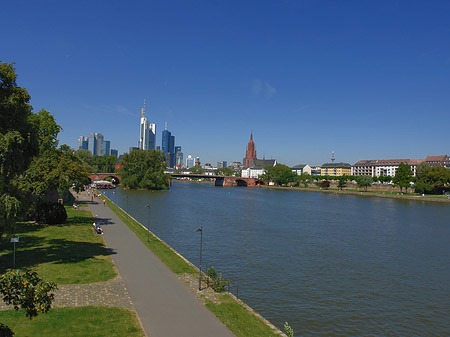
(144, 169)
(403, 177)
(280, 174)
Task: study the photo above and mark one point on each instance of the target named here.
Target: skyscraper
(168, 147)
(147, 133)
(178, 157)
(250, 153)
(83, 143)
(92, 144)
(189, 161)
(106, 147)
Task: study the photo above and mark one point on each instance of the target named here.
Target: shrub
(48, 212)
(217, 283)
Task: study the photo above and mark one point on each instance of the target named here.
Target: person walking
(104, 203)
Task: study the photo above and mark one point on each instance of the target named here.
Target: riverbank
(378, 194)
(235, 314)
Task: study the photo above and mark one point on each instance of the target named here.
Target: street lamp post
(200, 229)
(148, 223)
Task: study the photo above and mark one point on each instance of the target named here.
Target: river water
(330, 265)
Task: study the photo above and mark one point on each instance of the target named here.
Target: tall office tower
(106, 147)
(189, 162)
(168, 147)
(95, 144)
(100, 140)
(92, 144)
(250, 154)
(147, 133)
(178, 157)
(114, 152)
(83, 143)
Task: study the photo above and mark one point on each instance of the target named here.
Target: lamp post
(200, 229)
(148, 223)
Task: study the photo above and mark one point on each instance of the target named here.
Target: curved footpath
(165, 306)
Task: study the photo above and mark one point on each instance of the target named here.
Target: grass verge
(80, 321)
(176, 263)
(65, 254)
(238, 319)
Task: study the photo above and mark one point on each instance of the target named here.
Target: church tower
(250, 153)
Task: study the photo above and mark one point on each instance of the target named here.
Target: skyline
(365, 80)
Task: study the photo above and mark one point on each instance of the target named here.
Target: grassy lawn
(238, 319)
(164, 253)
(65, 254)
(81, 321)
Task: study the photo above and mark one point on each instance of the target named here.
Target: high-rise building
(250, 153)
(189, 161)
(83, 143)
(100, 140)
(92, 144)
(147, 133)
(106, 147)
(168, 147)
(178, 157)
(114, 152)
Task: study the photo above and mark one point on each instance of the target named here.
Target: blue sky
(366, 79)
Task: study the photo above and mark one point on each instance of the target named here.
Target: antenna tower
(332, 156)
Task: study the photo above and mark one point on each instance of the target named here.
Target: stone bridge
(102, 176)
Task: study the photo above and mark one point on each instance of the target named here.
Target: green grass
(238, 319)
(65, 254)
(81, 321)
(159, 248)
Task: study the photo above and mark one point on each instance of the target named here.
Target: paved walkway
(165, 306)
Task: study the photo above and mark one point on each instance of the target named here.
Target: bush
(48, 213)
(217, 283)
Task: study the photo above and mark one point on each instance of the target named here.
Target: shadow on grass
(59, 251)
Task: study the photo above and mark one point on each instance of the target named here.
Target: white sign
(14, 239)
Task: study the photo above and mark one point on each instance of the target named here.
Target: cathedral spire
(250, 153)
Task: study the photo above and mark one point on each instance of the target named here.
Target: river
(330, 265)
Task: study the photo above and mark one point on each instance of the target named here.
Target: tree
(197, 170)
(144, 169)
(403, 176)
(224, 171)
(342, 182)
(304, 179)
(422, 182)
(18, 144)
(280, 174)
(437, 178)
(26, 291)
(364, 181)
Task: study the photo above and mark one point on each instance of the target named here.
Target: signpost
(14, 240)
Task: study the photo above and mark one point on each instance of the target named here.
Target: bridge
(102, 176)
(222, 181)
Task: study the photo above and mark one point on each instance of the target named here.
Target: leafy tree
(144, 169)
(225, 171)
(403, 176)
(304, 179)
(26, 291)
(342, 182)
(18, 144)
(280, 174)
(364, 181)
(197, 170)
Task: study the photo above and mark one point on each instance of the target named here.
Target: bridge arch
(102, 176)
(241, 182)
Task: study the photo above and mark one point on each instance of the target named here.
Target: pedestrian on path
(104, 203)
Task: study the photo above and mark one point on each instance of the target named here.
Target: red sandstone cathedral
(250, 153)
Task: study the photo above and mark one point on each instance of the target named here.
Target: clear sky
(367, 79)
